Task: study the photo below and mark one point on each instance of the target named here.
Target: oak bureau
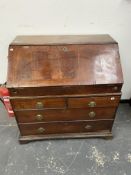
(64, 86)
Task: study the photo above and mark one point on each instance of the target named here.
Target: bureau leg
(108, 136)
(24, 141)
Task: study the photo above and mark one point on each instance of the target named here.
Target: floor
(67, 157)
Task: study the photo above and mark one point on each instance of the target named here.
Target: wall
(67, 17)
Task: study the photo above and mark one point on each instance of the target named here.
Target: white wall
(67, 17)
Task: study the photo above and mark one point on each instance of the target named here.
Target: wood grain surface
(64, 86)
(32, 116)
(65, 127)
(72, 65)
(62, 39)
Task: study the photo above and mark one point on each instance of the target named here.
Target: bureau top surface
(62, 39)
(33, 64)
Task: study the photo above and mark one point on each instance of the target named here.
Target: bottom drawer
(65, 127)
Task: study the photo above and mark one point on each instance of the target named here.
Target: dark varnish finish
(63, 65)
(48, 115)
(33, 103)
(64, 90)
(61, 84)
(65, 127)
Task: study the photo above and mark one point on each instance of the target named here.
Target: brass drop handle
(92, 114)
(40, 130)
(39, 105)
(92, 104)
(39, 117)
(88, 127)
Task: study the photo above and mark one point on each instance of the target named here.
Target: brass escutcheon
(40, 130)
(112, 98)
(115, 88)
(92, 114)
(39, 105)
(14, 91)
(39, 117)
(88, 127)
(92, 104)
(65, 49)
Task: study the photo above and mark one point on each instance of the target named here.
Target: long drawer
(30, 116)
(65, 127)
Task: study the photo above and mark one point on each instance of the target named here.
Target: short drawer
(37, 103)
(65, 127)
(31, 116)
(87, 102)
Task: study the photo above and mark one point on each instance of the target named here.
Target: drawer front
(65, 127)
(65, 90)
(64, 115)
(38, 103)
(89, 102)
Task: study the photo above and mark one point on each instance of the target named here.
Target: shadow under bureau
(64, 86)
